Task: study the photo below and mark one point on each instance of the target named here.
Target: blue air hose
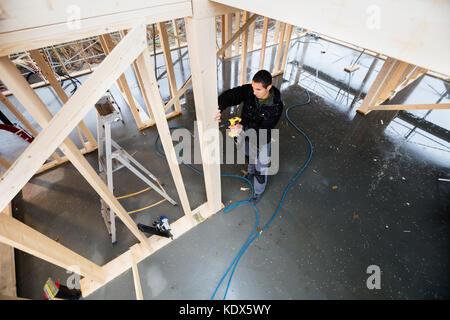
(252, 237)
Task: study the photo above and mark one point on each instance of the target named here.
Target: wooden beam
(237, 34)
(413, 76)
(376, 86)
(83, 54)
(58, 57)
(411, 106)
(202, 9)
(279, 48)
(136, 279)
(228, 33)
(50, 76)
(3, 297)
(244, 53)
(151, 86)
(7, 264)
(180, 92)
(13, 79)
(201, 37)
(24, 30)
(139, 115)
(52, 164)
(397, 76)
(393, 77)
(237, 26)
(276, 32)
(178, 38)
(251, 36)
(18, 235)
(18, 115)
(141, 85)
(286, 48)
(263, 43)
(222, 32)
(70, 114)
(175, 32)
(169, 64)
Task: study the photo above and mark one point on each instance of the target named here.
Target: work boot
(249, 176)
(255, 199)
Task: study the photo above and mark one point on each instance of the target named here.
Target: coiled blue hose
(252, 236)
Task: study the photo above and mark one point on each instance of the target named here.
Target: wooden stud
(222, 32)
(251, 36)
(286, 48)
(280, 46)
(52, 164)
(201, 37)
(393, 76)
(48, 73)
(176, 33)
(151, 86)
(237, 26)
(276, 33)
(228, 33)
(50, 76)
(141, 86)
(374, 90)
(244, 53)
(411, 106)
(136, 279)
(139, 115)
(18, 115)
(169, 64)
(177, 38)
(263, 43)
(60, 60)
(7, 263)
(237, 34)
(83, 54)
(416, 74)
(180, 92)
(399, 74)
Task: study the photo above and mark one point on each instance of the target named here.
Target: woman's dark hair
(264, 77)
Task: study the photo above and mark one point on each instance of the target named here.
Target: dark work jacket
(254, 116)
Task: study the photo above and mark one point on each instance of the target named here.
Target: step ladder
(110, 161)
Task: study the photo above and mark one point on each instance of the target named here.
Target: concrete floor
(370, 196)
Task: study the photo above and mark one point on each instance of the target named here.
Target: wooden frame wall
(143, 117)
(393, 77)
(281, 38)
(131, 49)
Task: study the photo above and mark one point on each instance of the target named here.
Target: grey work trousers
(260, 167)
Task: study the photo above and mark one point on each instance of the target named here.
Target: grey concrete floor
(370, 196)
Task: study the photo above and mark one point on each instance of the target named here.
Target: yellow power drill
(232, 122)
